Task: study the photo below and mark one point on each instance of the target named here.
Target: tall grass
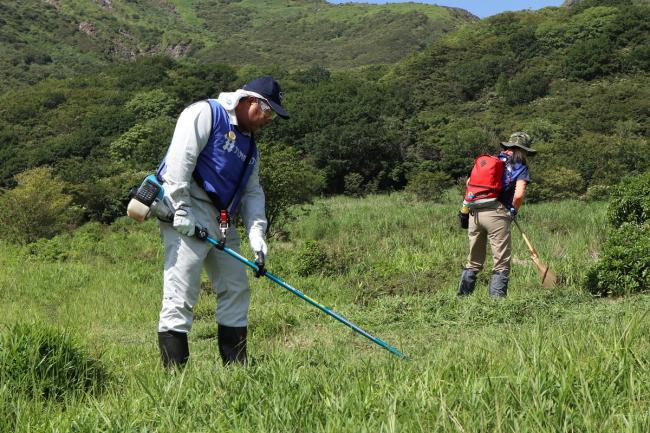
(541, 360)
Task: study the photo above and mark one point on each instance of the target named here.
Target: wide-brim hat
(520, 140)
(270, 90)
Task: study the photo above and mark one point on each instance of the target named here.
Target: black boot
(232, 344)
(467, 283)
(174, 349)
(498, 285)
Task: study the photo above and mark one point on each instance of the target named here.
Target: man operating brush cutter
(210, 172)
(150, 199)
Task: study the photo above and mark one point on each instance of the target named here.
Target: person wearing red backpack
(495, 191)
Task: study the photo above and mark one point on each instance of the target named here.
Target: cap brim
(527, 149)
(278, 109)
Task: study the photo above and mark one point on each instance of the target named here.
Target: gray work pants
(185, 256)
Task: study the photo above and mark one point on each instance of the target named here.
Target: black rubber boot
(498, 285)
(232, 344)
(467, 283)
(174, 349)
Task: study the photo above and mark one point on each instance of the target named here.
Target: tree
(524, 87)
(287, 180)
(313, 75)
(474, 75)
(427, 185)
(591, 58)
(143, 146)
(37, 208)
(556, 183)
(150, 104)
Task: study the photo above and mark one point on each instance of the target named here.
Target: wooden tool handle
(530, 246)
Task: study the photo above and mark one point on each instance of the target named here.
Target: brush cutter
(148, 200)
(549, 278)
(258, 268)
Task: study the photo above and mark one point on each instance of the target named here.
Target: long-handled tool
(259, 269)
(148, 200)
(549, 278)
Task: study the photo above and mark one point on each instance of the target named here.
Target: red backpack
(484, 184)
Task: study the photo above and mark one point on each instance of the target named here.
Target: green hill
(58, 37)
(93, 110)
(577, 79)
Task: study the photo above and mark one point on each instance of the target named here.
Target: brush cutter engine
(148, 200)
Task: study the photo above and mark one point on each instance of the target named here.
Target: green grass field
(542, 360)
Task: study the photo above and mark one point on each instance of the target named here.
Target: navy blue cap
(270, 90)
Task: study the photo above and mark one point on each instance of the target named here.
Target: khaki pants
(491, 224)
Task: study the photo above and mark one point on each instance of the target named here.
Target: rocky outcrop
(461, 13)
(88, 28)
(179, 50)
(54, 3)
(105, 4)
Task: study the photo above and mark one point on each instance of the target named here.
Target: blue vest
(225, 164)
(511, 173)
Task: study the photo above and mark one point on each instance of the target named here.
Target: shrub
(630, 201)
(591, 58)
(310, 259)
(105, 199)
(288, 181)
(143, 145)
(53, 99)
(624, 266)
(639, 58)
(38, 361)
(477, 73)
(524, 87)
(459, 147)
(313, 75)
(153, 103)
(54, 249)
(559, 183)
(37, 208)
(354, 185)
(596, 193)
(426, 185)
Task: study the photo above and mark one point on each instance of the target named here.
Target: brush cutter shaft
(301, 295)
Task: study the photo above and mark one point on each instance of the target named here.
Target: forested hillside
(577, 79)
(57, 38)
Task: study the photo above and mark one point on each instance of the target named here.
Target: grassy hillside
(576, 79)
(538, 361)
(317, 32)
(58, 37)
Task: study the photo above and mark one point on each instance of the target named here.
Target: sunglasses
(266, 108)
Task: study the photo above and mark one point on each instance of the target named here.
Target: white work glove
(184, 221)
(256, 240)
